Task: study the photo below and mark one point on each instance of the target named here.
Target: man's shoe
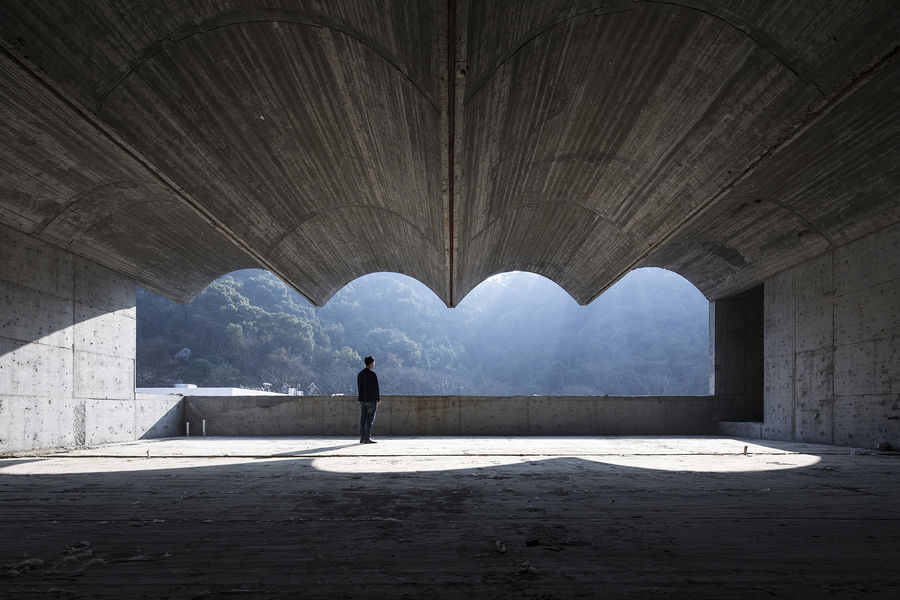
(370, 441)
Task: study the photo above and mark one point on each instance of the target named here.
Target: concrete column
(832, 355)
(736, 354)
(67, 349)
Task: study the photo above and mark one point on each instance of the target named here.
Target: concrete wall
(832, 351)
(67, 352)
(457, 415)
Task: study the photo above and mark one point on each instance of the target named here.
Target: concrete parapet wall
(740, 429)
(832, 346)
(67, 352)
(158, 416)
(457, 415)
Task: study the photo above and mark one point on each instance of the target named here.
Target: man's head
(370, 362)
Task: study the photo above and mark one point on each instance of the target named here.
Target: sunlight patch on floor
(422, 454)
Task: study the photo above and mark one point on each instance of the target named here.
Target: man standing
(369, 399)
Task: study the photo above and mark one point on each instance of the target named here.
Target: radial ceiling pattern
(174, 142)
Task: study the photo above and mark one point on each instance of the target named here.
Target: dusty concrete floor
(451, 518)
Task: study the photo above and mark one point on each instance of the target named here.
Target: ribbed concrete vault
(174, 142)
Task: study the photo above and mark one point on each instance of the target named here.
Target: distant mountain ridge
(516, 334)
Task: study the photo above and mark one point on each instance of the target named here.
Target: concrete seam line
(793, 354)
(224, 21)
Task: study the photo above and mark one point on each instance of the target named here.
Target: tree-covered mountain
(515, 334)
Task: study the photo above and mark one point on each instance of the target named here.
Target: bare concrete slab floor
(451, 518)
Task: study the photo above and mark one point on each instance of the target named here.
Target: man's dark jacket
(367, 382)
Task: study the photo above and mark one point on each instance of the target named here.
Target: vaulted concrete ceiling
(176, 141)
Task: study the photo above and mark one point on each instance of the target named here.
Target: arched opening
(516, 334)
(646, 335)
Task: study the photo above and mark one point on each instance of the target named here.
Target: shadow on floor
(561, 527)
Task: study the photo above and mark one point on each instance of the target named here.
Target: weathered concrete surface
(743, 429)
(683, 518)
(67, 352)
(156, 417)
(448, 140)
(460, 415)
(831, 332)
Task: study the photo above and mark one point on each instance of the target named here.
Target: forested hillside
(516, 334)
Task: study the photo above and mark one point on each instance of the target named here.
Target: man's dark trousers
(366, 419)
